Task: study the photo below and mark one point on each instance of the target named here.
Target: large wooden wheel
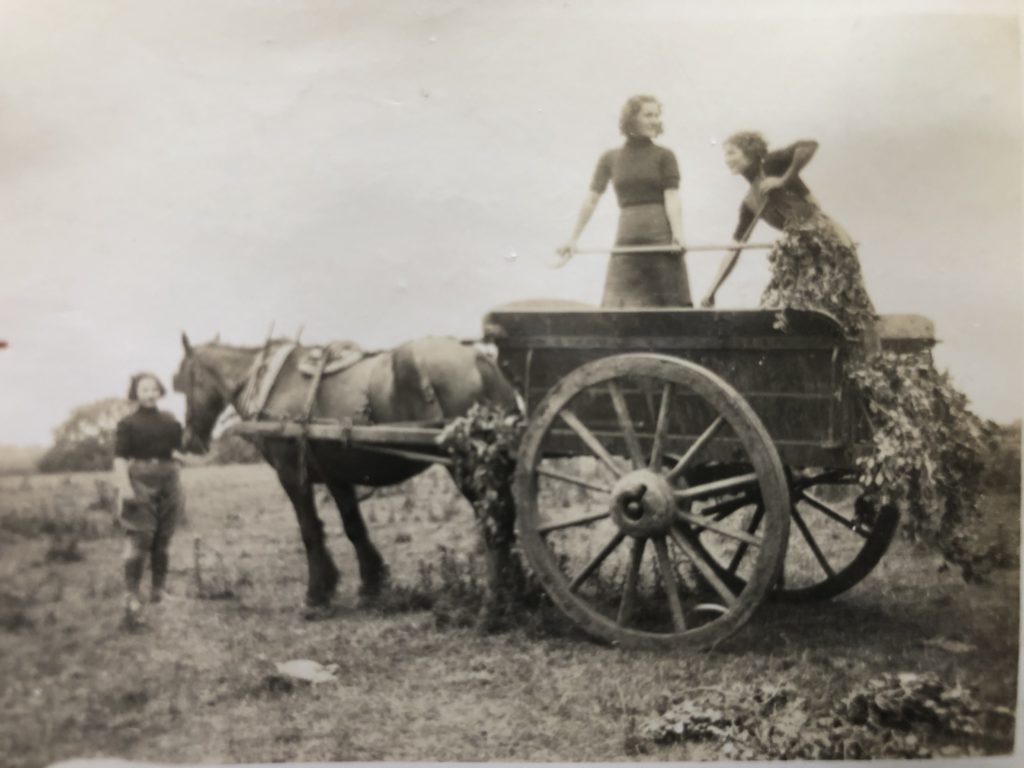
(618, 535)
(837, 537)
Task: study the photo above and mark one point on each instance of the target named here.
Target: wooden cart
(671, 458)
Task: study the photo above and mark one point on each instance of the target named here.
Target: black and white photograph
(476, 381)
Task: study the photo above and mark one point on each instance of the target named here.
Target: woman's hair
(133, 386)
(751, 144)
(627, 118)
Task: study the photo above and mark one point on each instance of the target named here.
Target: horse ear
(185, 343)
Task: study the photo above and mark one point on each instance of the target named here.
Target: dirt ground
(200, 683)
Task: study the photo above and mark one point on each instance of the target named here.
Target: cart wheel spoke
(831, 513)
(590, 440)
(626, 424)
(668, 580)
(632, 578)
(585, 520)
(574, 480)
(721, 530)
(720, 510)
(661, 429)
(715, 487)
(813, 544)
(594, 564)
(741, 550)
(705, 568)
(698, 444)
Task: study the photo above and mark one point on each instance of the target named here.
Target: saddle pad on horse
(339, 356)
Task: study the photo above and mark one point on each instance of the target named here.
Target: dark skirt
(645, 279)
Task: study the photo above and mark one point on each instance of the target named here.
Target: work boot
(158, 565)
(133, 618)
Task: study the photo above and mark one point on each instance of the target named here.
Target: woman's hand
(708, 302)
(189, 459)
(768, 183)
(122, 482)
(565, 252)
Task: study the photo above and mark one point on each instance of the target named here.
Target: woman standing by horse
(928, 444)
(646, 181)
(151, 499)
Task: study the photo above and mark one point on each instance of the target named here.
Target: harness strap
(314, 387)
(263, 378)
(307, 414)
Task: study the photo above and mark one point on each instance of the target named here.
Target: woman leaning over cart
(151, 499)
(927, 443)
(646, 180)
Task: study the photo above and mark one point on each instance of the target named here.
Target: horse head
(205, 396)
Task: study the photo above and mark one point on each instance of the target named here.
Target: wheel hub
(643, 504)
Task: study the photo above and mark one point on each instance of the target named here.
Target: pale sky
(383, 170)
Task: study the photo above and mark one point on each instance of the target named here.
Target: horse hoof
(317, 612)
(317, 600)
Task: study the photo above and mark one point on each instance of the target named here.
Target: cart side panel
(789, 367)
(791, 378)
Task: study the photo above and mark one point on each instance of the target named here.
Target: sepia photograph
(475, 381)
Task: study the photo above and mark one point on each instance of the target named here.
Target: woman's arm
(122, 482)
(801, 152)
(122, 450)
(674, 212)
(586, 211)
(744, 227)
(724, 269)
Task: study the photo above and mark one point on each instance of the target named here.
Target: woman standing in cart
(928, 444)
(646, 180)
(151, 499)
(814, 264)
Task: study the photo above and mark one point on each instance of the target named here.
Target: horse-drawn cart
(671, 458)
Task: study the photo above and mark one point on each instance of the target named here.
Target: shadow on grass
(829, 625)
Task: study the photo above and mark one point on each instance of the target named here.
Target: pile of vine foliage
(904, 715)
(929, 453)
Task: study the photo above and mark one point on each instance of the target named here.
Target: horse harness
(318, 363)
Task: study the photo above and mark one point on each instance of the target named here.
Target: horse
(432, 379)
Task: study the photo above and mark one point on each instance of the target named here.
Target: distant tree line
(1002, 465)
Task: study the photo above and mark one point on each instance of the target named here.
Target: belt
(152, 461)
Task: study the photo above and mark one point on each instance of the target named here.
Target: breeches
(150, 520)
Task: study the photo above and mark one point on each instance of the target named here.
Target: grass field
(199, 684)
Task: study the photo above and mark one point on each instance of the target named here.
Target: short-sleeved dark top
(784, 203)
(147, 434)
(640, 171)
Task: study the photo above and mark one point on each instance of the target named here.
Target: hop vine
(927, 445)
(483, 445)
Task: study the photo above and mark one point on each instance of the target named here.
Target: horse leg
(323, 573)
(372, 571)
